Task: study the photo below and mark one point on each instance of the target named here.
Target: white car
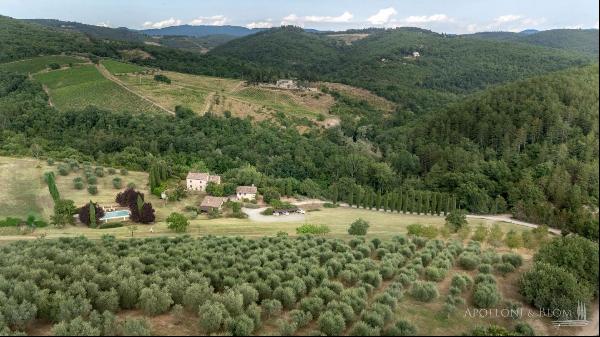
(301, 211)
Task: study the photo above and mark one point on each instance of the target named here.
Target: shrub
(456, 220)
(504, 268)
(212, 317)
(435, 274)
(373, 318)
(286, 296)
(177, 222)
(178, 313)
(78, 183)
(232, 300)
(286, 328)
(241, 326)
(154, 300)
(513, 239)
(313, 229)
(485, 268)
(468, 261)
(401, 328)
(363, 329)
(92, 189)
(551, 287)
(424, 291)
(486, 295)
(359, 227)
(312, 304)
(111, 171)
(136, 327)
(63, 169)
(515, 259)
(331, 323)
(162, 78)
(91, 179)
(300, 318)
(123, 172)
(108, 225)
(271, 308)
(117, 183)
(75, 327)
(99, 171)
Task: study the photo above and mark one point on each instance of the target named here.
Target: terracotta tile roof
(198, 176)
(246, 189)
(215, 179)
(209, 201)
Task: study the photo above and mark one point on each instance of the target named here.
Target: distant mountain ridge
(201, 31)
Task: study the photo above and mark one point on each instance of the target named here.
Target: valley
(213, 179)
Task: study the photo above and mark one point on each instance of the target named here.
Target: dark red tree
(84, 214)
(128, 198)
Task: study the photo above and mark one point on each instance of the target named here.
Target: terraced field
(37, 64)
(82, 86)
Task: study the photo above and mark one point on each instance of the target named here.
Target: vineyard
(81, 86)
(38, 64)
(115, 67)
(230, 285)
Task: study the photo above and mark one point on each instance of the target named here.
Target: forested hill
(533, 144)
(20, 39)
(98, 32)
(384, 62)
(580, 40)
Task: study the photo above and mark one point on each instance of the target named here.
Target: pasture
(37, 64)
(82, 86)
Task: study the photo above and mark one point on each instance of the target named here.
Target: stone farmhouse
(196, 181)
(209, 203)
(246, 192)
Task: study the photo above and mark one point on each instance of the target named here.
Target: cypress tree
(359, 198)
(404, 203)
(140, 203)
(350, 198)
(92, 215)
(427, 203)
(378, 201)
(419, 207)
(51, 181)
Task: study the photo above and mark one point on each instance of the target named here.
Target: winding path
(114, 79)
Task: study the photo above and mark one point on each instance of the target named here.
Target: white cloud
(260, 24)
(345, 17)
(104, 24)
(507, 18)
(215, 20)
(383, 16)
(162, 24)
(427, 19)
(294, 19)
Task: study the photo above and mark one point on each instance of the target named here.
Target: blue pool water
(115, 215)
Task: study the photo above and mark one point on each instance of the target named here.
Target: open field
(81, 86)
(25, 192)
(37, 64)
(116, 67)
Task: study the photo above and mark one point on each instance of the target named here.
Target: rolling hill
(201, 31)
(579, 40)
(383, 62)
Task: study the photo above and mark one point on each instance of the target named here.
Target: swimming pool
(121, 215)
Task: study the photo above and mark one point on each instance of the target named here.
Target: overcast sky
(451, 16)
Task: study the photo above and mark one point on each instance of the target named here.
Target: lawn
(81, 86)
(116, 67)
(40, 63)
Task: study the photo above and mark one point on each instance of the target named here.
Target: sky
(448, 16)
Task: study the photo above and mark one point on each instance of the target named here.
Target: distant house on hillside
(210, 203)
(246, 192)
(416, 54)
(197, 181)
(287, 84)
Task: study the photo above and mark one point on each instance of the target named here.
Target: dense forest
(529, 147)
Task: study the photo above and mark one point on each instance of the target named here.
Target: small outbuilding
(246, 192)
(210, 203)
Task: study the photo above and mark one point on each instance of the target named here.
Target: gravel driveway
(254, 215)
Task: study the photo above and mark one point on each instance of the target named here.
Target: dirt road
(509, 219)
(114, 79)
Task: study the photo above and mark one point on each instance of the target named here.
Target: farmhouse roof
(246, 189)
(198, 176)
(215, 179)
(215, 202)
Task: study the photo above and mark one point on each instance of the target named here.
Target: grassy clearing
(25, 192)
(40, 63)
(79, 87)
(116, 67)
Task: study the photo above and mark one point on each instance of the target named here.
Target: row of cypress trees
(411, 201)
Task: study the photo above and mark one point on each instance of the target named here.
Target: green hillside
(578, 40)
(20, 39)
(383, 62)
(542, 161)
(37, 64)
